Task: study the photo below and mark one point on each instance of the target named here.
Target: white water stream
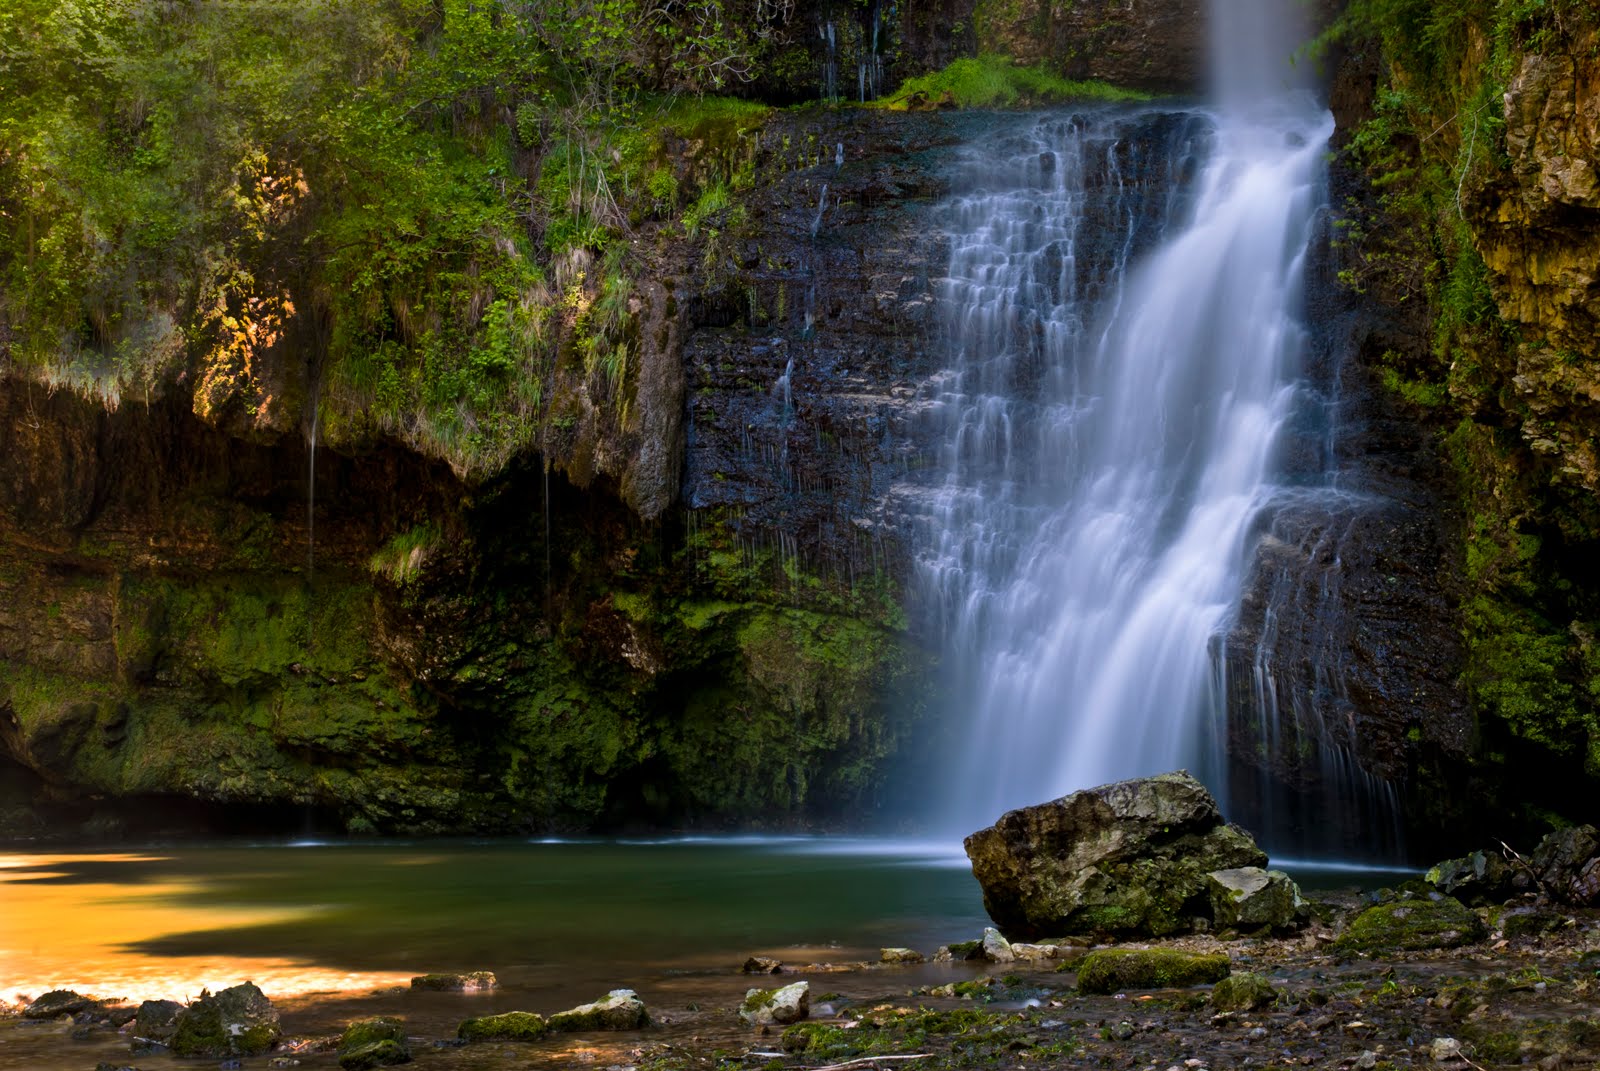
(1123, 306)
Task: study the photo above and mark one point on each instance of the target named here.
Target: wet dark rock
(157, 1019)
(1480, 878)
(789, 1004)
(121, 1016)
(57, 1002)
(1125, 858)
(377, 1042)
(507, 1026)
(1115, 970)
(1245, 991)
(762, 965)
(476, 981)
(1250, 898)
(238, 1021)
(1409, 925)
(621, 1009)
(1566, 865)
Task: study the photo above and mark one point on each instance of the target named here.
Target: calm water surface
(330, 930)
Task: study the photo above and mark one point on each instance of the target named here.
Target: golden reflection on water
(85, 936)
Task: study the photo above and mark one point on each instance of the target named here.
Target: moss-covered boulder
(1409, 925)
(507, 1026)
(1116, 969)
(1126, 858)
(474, 982)
(1245, 991)
(899, 955)
(621, 1009)
(238, 1021)
(790, 1004)
(369, 1043)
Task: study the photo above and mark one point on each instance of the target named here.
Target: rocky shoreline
(1509, 998)
(1141, 954)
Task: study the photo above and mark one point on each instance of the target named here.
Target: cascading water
(1123, 310)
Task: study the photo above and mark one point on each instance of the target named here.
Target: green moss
(1407, 925)
(1245, 991)
(374, 1054)
(508, 1026)
(993, 81)
(1115, 970)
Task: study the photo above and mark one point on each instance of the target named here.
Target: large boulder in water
(1125, 858)
(238, 1021)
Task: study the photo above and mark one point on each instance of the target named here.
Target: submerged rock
(507, 1026)
(1125, 858)
(475, 982)
(58, 1002)
(1114, 970)
(1250, 898)
(369, 1043)
(238, 1021)
(1243, 992)
(1409, 925)
(899, 955)
(621, 1009)
(789, 1004)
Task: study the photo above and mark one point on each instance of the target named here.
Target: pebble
(1123, 1030)
(1257, 1034)
(1444, 1049)
(1367, 1061)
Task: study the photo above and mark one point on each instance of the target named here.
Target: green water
(329, 930)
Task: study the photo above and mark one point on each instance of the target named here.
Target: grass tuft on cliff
(994, 81)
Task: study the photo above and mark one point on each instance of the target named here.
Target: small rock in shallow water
(507, 1026)
(1366, 1061)
(996, 949)
(899, 955)
(621, 1009)
(1444, 1049)
(789, 1004)
(157, 1018)
(1245, 991)
(763, 965)
(475, 982)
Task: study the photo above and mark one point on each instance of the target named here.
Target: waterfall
(1123, 313)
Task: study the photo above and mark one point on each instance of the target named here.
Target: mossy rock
(1410, 925)
(239, 1021)
(621, 1009)
(385, 1053)
(1115, 970)
(788, 1004)
(966, 950)
(508, 1026)
(369, 1043)
(1246, 991)
(58, 1002)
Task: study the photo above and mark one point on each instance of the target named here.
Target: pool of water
(335, 930)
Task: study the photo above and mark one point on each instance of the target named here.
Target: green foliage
(993, 81)
(407, 553)
(195, 190)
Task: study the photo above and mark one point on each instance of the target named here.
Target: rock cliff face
(1537, 226)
